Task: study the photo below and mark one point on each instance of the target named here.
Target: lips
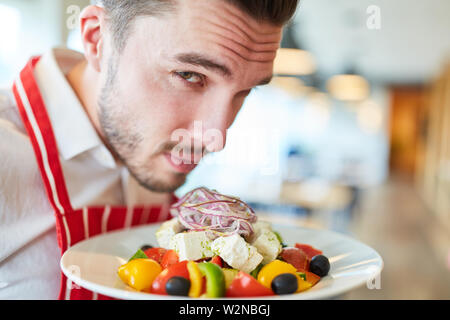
(179, 165)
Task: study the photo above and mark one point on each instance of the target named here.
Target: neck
(84, 81)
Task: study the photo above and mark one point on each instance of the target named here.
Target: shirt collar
(73, 130)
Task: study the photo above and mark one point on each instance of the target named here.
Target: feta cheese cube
(167, 230)
(192, 245)
(258, 227)
(268, 245)
(261, 225)
(235, 251)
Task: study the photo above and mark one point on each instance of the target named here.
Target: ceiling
(410, 46)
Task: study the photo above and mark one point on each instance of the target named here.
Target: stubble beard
(124, 142)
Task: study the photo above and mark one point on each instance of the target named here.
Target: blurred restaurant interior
(352, 135)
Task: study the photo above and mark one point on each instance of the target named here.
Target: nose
(212, 120)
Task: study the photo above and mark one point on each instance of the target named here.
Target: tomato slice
(169, 258)
(311, 277)
(176, 270)
(155, 254)
(244, 285)
(310, 251)
(217, 260)
(296, 257)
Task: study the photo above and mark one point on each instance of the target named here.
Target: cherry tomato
(244, 285)
(169, 258)
(308, 250)
(296, 257)
(155, 254)
(176, 270)
(217, 260)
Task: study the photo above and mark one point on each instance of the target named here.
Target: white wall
(410, 46)
(41, 25)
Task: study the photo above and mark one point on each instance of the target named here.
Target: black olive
(285, 283)
(178, 286)
(319, 265)
(146, 247)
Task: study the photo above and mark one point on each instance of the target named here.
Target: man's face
(195, 66)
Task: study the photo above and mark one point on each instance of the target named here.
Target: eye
(191, 77)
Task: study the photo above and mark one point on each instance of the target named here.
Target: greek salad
(215, 246)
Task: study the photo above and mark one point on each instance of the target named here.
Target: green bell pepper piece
(255, 272)
(302, 275)
(215, 280)
(139, 255)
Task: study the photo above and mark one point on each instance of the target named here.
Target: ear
(92, 22)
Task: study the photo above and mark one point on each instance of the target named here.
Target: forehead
(222, 32)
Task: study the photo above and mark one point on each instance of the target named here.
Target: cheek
(238, 103)
(151, 103)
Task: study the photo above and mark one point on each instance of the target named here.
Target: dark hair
(123, 12)
(277, 12)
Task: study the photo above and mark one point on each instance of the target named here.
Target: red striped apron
(72, 225)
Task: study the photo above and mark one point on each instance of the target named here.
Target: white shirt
(29, 254)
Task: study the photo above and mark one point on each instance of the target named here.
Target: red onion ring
(218, 214)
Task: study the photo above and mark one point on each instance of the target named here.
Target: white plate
(93, 263)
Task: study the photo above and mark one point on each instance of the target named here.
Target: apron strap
(38, 125)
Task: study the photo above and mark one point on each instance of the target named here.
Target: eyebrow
(208, 63)
(200, 60)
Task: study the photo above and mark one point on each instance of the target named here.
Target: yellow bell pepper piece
(196, 279)
(140, 273)
(277, 267)
(229, 275)
(273, 269)
(302, 284)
